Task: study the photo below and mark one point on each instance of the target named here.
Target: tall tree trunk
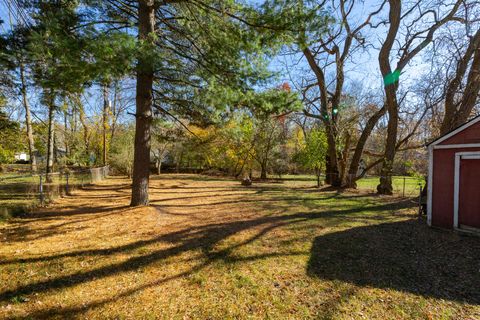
(457, 112)
(472, 90)
(50, 144)
(179, 160)
(385, 186)
(105, 122)
(28, 121)
(263, 173)
(113, 125)
(345, 153)
(334, 172)
(73, 120)
(332, 176)
(391, 79)
(65, 132)
(357, 154)
(318, 172)
(144, 99)
(159, 166)
(85, 130)
(391, 86)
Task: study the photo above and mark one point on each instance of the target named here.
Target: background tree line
(339, 87)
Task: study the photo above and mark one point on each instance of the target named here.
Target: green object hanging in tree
(391, 78)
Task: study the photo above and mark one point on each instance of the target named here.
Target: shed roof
(455, 131)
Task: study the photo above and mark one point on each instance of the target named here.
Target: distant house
(25, 157)
(454, 179)
(22, 156)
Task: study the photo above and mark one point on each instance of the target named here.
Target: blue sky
(363, 69)
(3, 16)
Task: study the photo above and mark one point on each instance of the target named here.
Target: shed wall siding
(469, 135)
(443, 185)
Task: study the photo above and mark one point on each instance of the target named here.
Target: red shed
(454, 179)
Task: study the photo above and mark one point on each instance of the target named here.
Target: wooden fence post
(420, 200)
(41, 190)
(67, 189)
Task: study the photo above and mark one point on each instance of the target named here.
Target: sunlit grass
(21, 193)
(410, 185)
(402, 185)
(216, 250)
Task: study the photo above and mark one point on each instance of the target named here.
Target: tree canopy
(342, 88)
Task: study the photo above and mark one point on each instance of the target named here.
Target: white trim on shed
(456, 188)
(430, 185)
(435, 145)
(456, 146)
(454, 132)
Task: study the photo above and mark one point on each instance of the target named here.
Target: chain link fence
(405, 186)
(402, 185)
(19, 193)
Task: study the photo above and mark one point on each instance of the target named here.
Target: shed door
(469, 194)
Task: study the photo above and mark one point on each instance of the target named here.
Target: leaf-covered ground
(212, 249)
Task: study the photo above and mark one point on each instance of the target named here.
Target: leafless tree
(462, 88)
(331, 52)
(416, 23)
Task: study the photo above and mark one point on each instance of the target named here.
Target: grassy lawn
(20, 193)
(212, 249)
(17, 194)
(412, 188)
(412, 185)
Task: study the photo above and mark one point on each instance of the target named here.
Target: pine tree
(59, 60)
(186, 51)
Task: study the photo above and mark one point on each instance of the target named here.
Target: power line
(16, 10)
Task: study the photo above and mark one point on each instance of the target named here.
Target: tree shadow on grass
(405, 256)
(203, 238)
(191, 176)
(23, 233)
(199, 235)
(309, 202)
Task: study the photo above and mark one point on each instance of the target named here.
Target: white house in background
(22, 156)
